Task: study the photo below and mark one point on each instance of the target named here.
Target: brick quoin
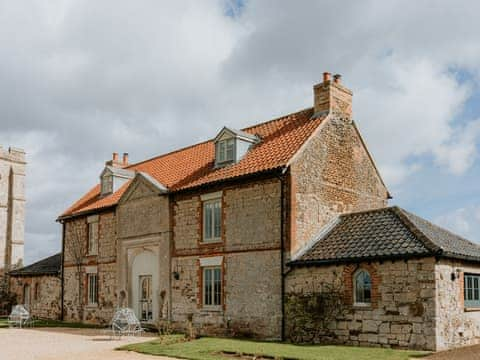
(348, 273)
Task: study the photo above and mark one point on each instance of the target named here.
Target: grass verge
(215, 349)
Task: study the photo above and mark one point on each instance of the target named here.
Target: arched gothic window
(362, 291)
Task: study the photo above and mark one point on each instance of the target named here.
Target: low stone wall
(45, 294)
(402, 313)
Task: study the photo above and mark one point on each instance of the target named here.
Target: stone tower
(12, 209)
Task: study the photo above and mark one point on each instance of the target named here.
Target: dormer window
(232, 145)
(114, 176)
(107, 184)
(226, 150)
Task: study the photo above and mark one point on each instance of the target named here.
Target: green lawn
(53, 323)
(211, 349)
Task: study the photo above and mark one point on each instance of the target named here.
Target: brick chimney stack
(125, 159)
(115, 161)
(331, 96)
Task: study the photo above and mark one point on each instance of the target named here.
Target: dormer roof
(118, 171)
(253, 138)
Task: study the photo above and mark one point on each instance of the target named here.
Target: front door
(145, 282)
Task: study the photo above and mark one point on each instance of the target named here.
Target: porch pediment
(142, 185)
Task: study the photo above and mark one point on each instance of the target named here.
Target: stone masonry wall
(250, 249)
(252, 302)
(45, 294)
(403, 308)
(12, 210)
(103, 263)
(456, 325)
(332, 175)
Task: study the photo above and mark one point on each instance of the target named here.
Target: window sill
(212, 309)
(212, 242)
(91, 306)
(471, 309)
(360, 306)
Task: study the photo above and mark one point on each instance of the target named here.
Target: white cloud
(83, 79)
(463, 221)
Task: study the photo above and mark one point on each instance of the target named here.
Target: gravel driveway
(61, 344)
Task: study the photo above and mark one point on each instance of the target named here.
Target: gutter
(319, 262)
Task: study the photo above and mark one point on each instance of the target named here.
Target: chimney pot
(337, 78)
(115, 157)
(326, 76)
(125, 158)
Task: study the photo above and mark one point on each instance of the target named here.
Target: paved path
(464, 353)
(61, 344)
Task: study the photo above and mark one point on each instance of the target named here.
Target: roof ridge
(428, 243)
(278, 118)
(209, 140)
(167, 153)
(368, 211)
(441, 228)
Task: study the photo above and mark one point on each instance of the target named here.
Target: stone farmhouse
(281, 230)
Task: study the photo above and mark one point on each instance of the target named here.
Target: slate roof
(385, 233)
(193, 166)
(49, 266)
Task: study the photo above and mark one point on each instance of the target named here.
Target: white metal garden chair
(19, 317)
(125, 323)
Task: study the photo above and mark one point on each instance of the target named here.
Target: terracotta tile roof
(385, 233)
(194, 165)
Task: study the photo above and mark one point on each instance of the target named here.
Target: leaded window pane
(230, 151)
(217, 286)
(363, 287)
(212, 220)
(208, 286)
(217, 219)
(221, 151)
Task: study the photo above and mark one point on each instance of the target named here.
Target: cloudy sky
(81, 79)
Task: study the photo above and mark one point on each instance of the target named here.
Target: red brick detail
(461, 289)
(348, 273)
(200, 285)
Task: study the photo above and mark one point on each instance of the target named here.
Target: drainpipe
(62, 271)
(282, 249)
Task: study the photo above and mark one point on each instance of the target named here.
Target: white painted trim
(211, 196)
(211, 261)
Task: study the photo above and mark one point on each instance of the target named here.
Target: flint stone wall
(103, 262)
(251, 262)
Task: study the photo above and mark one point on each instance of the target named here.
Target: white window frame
(212, 303)
(355, 275)
(223, 148)
(212, 200)
(93, 236)
(92, 289)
